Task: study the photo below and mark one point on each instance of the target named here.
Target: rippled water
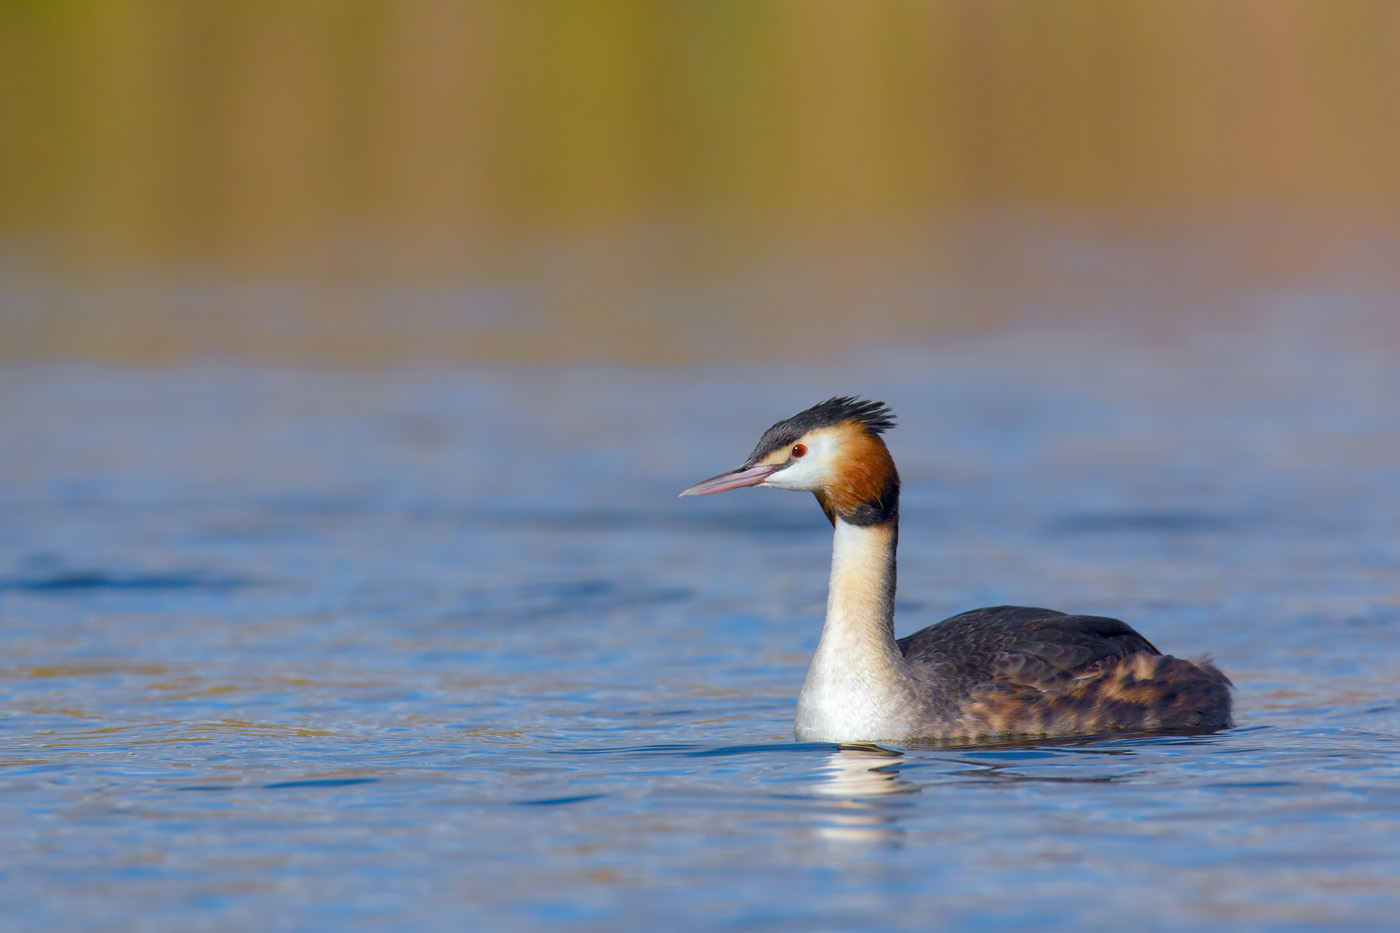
(442, 649)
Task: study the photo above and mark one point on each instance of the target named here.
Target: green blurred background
(348, 181)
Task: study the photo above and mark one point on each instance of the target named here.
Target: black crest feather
(875, 417)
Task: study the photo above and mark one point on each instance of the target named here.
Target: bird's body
(1007, 670)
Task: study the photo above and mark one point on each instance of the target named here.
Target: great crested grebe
(1007, 670)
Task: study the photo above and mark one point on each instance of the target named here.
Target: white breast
(857, 689)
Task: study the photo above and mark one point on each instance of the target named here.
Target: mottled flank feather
(1139, 694)
(1013, 670)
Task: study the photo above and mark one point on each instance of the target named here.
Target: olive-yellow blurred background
(343, 181)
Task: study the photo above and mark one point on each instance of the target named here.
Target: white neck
(858, 686)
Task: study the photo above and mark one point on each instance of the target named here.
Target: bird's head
(833, 450)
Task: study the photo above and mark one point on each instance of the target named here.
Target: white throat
(857, 689)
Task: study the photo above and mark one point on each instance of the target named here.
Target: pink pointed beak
(733, 480)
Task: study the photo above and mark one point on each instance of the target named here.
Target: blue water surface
(440, 649)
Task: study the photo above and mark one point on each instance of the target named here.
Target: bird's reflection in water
(860, 780)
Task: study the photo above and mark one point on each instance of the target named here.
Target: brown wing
(1017, 644)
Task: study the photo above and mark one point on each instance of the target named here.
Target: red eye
(799, 450)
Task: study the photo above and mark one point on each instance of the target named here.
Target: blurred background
(325, 182)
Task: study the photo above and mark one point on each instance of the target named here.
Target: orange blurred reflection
(633, 180)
